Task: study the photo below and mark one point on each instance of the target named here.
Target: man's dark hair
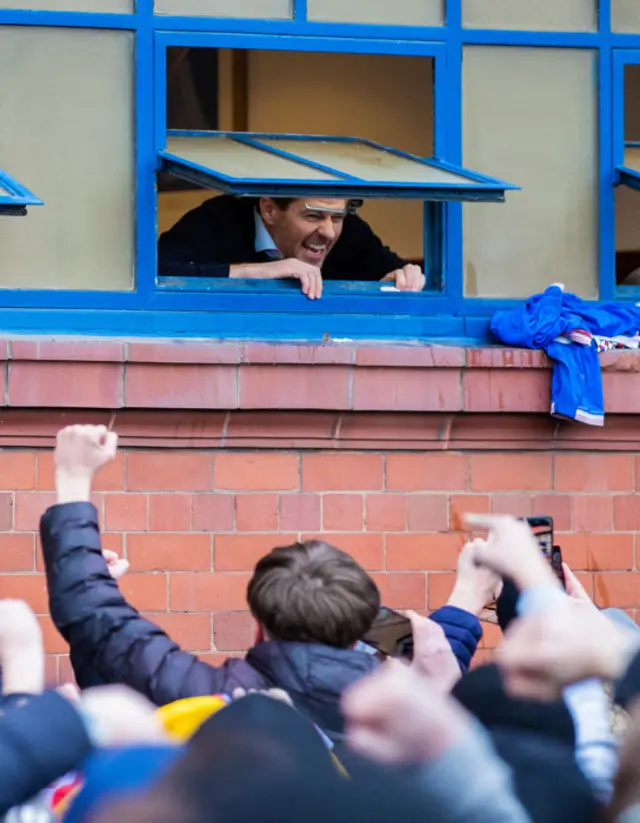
(283, 203)
(313, 593)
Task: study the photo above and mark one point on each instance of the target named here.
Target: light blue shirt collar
(264, 241)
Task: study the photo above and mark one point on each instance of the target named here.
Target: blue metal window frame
(621, 59)
(17, 198)
(486, 189)
(281, 312)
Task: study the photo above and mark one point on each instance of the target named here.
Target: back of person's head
(259, 759)
(312, 592)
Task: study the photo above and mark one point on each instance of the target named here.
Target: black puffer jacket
(111, 642)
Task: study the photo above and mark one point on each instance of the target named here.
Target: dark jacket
(537, 740)
(221, 233)
(110, 642)
(42, 737)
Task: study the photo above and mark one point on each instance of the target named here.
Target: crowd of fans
(308, 726)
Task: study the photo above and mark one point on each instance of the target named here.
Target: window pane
(387, 98)
(367, 162)
(381, 12)
(235, 159)
(265, 9)
(625, 15)
(530, 117)
(632, 158)
(68, 133)
(534, 15)
(114, 6)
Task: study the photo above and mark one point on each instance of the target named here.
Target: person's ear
(268, 210)
(260, 635)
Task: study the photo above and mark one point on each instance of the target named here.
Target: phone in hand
(542, 528)
(390, 636)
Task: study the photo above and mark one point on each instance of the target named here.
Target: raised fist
(82, 450)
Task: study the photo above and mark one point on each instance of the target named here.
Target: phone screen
(542, 528)
(390, 636)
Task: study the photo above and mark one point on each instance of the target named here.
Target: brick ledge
(209, 375)
(291, 430)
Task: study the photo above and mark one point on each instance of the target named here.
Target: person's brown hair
(283, 203)
(313, 593)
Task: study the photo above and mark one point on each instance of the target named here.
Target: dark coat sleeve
(181, 251)
(206, 241)
(463, 631)
(42, 737)
(108, 638)
(360, 254)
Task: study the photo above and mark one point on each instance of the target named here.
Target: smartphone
(390, 636)
(542, 528)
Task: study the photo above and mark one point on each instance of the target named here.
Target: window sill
(114, 375)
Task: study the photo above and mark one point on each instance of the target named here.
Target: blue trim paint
(277, 310)
(604, 89)
(478, 187)
(14, 197)
(450, 89)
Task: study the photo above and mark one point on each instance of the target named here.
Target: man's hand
(80, 452)
(409, 278)
(118, 716)
(310, 277)
(21, 650)
(432, 654)
(564, 645)
(475, 585)
(117, 565)
(394, 716)
(511, 551)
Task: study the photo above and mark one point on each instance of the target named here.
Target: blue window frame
(625, 152)
(14, 197)
(303, 175)
(275, 310)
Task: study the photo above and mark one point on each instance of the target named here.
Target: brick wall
(193, 523)
(231, 448)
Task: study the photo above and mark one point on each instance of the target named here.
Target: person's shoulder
(223, 207)
(354, 224)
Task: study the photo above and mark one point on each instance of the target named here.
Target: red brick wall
(193, 523)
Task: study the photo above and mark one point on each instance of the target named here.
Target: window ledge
(114, 374)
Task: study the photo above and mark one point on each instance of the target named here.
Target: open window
(14, 197)
(230, 116)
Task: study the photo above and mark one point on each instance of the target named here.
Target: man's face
(307, 230)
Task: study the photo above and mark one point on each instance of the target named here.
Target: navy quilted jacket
(111, 642)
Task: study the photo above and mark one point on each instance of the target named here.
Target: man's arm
(180, 253)
(362, 252)
(366, 253)
(106, 635)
